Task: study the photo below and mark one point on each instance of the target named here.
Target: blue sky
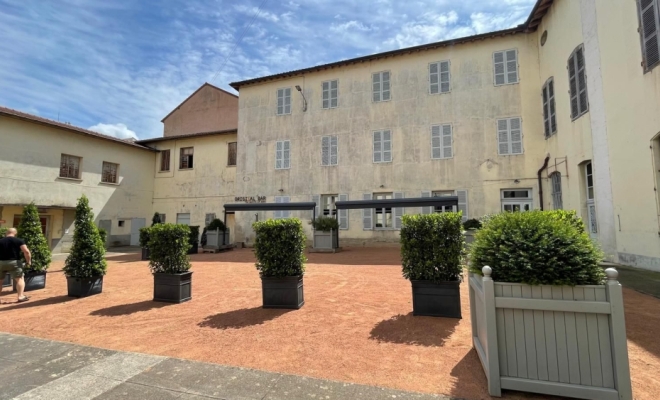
(120, 66)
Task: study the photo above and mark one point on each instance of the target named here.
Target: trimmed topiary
(432, 247)
(280, 247)
(472, 224)
(29, 229)
(194, 235)
(217, 224)
(325, 224)
(168, 248)
(537, 248)
(144, 237)
(104, 235)
(86, 259)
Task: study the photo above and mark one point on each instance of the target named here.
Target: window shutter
(378, 147)
(445, 86)
(286, 213)
(317, 199)
(280, 101)
(343, 214)
(463, 203)
(573, 89)
(553, 112)
(436, 142)
(434, 78)
(287, 101)
(367, 214)
(498, 68)
(503, 136)
(546, 114)
(447, 141)
(334, 158)
(387, 146)
(650, 29)
(279, 147)
(286, 158)
(398, 211)
(326, 94)
(582, 81)
(512, 66)
(386, 86)
(334, 93)
(376, 86)
(515, 136)
(325, 150)
(428, 209)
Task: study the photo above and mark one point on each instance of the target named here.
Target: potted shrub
(169, 263)
(215, 235)
(104, 236)
(543, 317)
(279, 247)
(144, 242)
(432, 247)
(471, 226)
(85, 266)
(29, 229)
(193, 239)
(325, 229)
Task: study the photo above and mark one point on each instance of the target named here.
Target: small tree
(86, 259)
(29, 229)
(156, 219)
(168, 248)
(280, 247)
(144, 236)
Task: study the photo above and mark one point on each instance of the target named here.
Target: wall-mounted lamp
(281, 190)
(382, 186)
(303, 96)
(516, 181)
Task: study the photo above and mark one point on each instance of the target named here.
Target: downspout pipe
(545, 165)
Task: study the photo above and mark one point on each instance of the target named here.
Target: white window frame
(592, 220)
(555, 184)
(184, 217)
(384, 212)
(329, 151)
(505, 67)
(285, 107)
(190, 158)
(279, 214)
(655, 6)
(440, 135)
(281, 161)
(327, 94)
(379, 146)
(519, 202)
(573, 62)
(438, 78)
(509, 132)
(549, 108)
(380, 91)
(328, 200)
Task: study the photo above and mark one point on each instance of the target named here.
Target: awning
(388, 203)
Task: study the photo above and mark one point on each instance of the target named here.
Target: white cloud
(350, 26)
(120, 131)
(257, 12)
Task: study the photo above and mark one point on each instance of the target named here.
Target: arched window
(555, 179)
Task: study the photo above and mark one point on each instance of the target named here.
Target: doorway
(136, 224)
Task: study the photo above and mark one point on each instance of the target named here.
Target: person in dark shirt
(11, 248)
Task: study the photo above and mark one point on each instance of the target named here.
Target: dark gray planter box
(173, 288)
(194, 249)
(282, 292)
(83, 287)
(33, 281)
(441, 299)
(7, 281)
(325, 240)
(145, 254)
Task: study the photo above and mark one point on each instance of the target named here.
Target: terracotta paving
(355, 326)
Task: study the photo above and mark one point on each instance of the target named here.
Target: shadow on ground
(33, 303)
(422, 331)
(242, 318)
(128, 309)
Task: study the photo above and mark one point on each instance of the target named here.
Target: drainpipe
(545, 165)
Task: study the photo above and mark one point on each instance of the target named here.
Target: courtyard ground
(356, 325)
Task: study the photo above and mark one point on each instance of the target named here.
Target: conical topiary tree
(86, 259)
(29, 229)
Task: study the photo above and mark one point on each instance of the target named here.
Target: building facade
(560, 112)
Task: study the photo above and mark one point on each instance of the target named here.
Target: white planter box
(216, 239)
(325, 240)
(557, 340)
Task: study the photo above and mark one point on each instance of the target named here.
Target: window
(208, 219)
(282, 213)
(441, 142)
(462, 202)
(120, 223)
(330, 94)
(383, 216)
(284, 101)
(325, 206)
(283, 155)
(183, 218)
(231, 154)
(649, 17)
(165, 160)
(514, 200)
(186, 158)
(509, 136)
(549, 114)
(505, 65)
(329, 150)
(382, 146)
(109, 173)
(70, 166)
(162, 218)
(439, 77)
(577, 83)
(328, 204)
(381, 86)
(441, 209)
(591, 200)
(555, 180)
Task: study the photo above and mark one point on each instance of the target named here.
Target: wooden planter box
(83, 287)
(173, 288)
(33, 281)
(442, 299)
(282, 292)
(325, 240)
(557, 340)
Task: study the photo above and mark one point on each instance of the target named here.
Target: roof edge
(190, 135)
(194, 93)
